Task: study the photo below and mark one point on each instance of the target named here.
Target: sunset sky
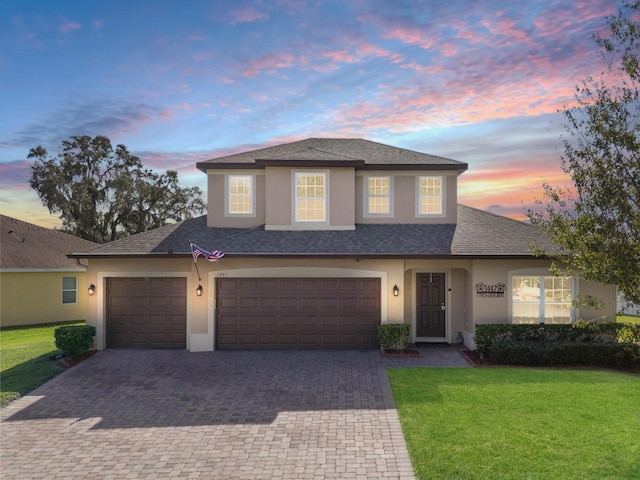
(179, 82)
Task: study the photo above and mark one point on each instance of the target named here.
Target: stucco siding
(217, 201)
(464, 307)
(404, 198)
(342, 198)
(278, 196)
(30, 298)
(496, 309)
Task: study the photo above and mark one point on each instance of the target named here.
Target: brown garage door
(297, 312)
(147, 312)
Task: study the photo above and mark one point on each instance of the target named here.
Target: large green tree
(596, 223)
(102, 194)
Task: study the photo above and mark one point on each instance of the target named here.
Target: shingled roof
(477, 234)
(24, 246)
(355, 152)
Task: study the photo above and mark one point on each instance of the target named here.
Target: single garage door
(297, 312)
(147, 312)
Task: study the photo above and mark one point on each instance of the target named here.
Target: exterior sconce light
(396, 291)
(91, 290)
(199, 291)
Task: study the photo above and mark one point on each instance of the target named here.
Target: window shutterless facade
(69, 290)
(240, 195)
(310, 196)
(430, 197)
(541, 299)
(378, 197)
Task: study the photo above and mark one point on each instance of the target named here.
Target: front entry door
(431, 307)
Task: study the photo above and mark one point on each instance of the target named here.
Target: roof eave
(369, 256)
(357, 164)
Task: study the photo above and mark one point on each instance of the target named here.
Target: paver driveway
(174, 414)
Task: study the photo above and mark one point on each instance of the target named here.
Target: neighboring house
(326, 239)
(38, 282)
(625, 308)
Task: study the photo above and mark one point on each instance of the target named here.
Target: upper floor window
(430, 196)
(240, 195)
(311, 196)
(69, 290)
(541, 299)
(378, 196)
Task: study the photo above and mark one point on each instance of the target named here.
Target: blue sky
(180, 82)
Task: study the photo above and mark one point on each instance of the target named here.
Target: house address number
(490, 290)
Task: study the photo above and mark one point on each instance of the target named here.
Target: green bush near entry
(74, 339)
(394, 336)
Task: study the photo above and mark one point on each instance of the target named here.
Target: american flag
(213, 256)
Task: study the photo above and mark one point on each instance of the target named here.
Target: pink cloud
(395, 28)
(508, 192)
(506, 28)
(367, 49)
(560, 23)
(246, 15)
(268, 63)
(342, 56)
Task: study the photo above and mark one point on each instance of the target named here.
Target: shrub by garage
(74, 339)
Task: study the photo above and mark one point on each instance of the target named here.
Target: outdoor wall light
(396, 291)
(91, 290)
(199, 291)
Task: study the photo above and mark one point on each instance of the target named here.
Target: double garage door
(251, 313)
(297, 312)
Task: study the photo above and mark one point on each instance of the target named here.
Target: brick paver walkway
(158, 414)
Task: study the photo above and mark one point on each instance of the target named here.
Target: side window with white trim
(69, 290)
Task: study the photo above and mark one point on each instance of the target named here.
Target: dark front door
(431, 306)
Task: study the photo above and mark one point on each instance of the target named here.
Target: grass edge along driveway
(506, 423)
(24, 359)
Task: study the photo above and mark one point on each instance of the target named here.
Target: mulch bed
(68, 362)
(473, 357)
(407, 353)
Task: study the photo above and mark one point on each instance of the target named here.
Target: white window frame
(367, 196)
(325, 198)
(541, 303)
(252, 196)
(74, 290)
(420, 196)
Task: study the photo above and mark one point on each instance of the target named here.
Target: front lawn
(24, 359)
(627, 319)
(506, 423)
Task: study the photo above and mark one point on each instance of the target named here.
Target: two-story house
(326, 239)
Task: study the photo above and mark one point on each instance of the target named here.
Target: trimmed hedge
(583, 343)
(394, 336)
(625, 355)
(74, 339)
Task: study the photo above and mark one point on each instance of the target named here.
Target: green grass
(627, 319)
(516, 423)
(24, 359)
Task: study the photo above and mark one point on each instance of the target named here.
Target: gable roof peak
(352, 152)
